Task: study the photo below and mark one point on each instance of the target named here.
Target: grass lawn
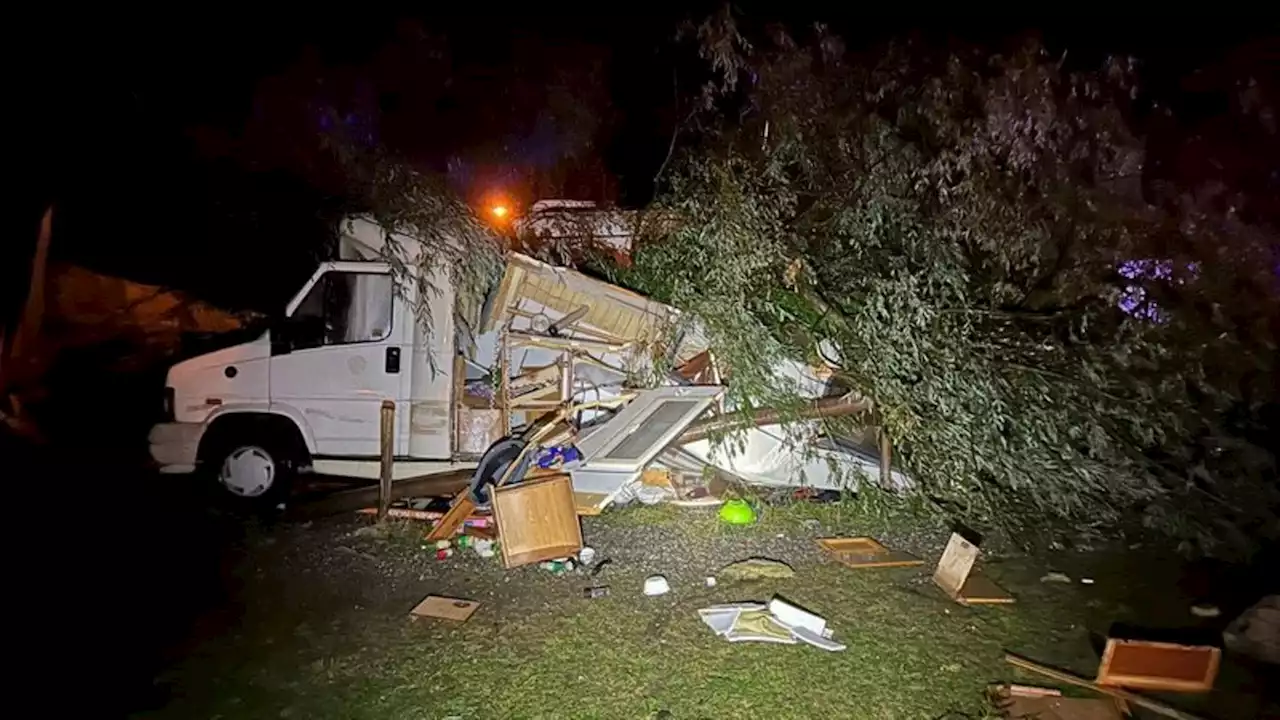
(547, 652)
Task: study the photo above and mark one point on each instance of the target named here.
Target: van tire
(252, 462)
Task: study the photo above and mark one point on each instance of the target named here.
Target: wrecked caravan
(551, 346)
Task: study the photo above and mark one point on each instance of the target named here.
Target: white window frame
(596, 447)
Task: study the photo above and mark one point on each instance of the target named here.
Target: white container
(795, 617)
(655, 585)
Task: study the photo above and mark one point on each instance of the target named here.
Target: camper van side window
(344, 308)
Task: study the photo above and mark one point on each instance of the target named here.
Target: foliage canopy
(974, 236)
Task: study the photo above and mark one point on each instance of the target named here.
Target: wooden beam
(345, 501)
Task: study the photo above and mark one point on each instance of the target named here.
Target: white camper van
(306, 394)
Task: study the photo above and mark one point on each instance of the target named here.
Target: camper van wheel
(251, 468)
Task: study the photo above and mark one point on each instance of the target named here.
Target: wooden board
(954, 566)
(1159, 666)
(865, 552)
(445, 608)
(956, 576)
(458, 513)
(536, 521)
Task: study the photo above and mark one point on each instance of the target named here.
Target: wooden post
(387, 437)
(886, 459)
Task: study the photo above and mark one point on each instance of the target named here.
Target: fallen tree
(971, 237)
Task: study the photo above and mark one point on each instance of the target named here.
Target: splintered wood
(865, 552)
(1159, 666)
(956, 576)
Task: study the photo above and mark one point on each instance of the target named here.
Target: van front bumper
(174, 446)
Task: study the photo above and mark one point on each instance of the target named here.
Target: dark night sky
(190, 156)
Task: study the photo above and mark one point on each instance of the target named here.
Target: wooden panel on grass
(956, 576)
(1159, 666)
(445, 608)
(536, 521)
(957, 560)
(865, 552)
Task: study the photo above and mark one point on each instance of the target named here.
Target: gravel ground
(347, 561)
(324, 604)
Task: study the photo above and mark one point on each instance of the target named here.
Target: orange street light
(500, 211)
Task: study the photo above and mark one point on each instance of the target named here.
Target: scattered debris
(710, 581)
(600, 566)
(1055, 577)
(651, 494)
(1115, 692)
(1256, 632)
(558, 456)
(1205, 611)
(595, 591)
(586, 555)
(445, 608)
(954, 575)
(865, 552)
(705, 488)
(1086, 581)
(556, 532)
(777, 622)
(557, 567)
(738, 512)
(756, 568)
(1159, 665)
(655, 585)
(484, 548)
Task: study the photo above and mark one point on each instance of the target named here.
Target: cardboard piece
(445, 608)
(536, 521)
(865, 552)
(956, 577)
(1159, 665)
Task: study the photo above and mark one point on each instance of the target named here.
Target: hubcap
(248, 471)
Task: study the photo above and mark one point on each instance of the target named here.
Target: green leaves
(953, 226)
